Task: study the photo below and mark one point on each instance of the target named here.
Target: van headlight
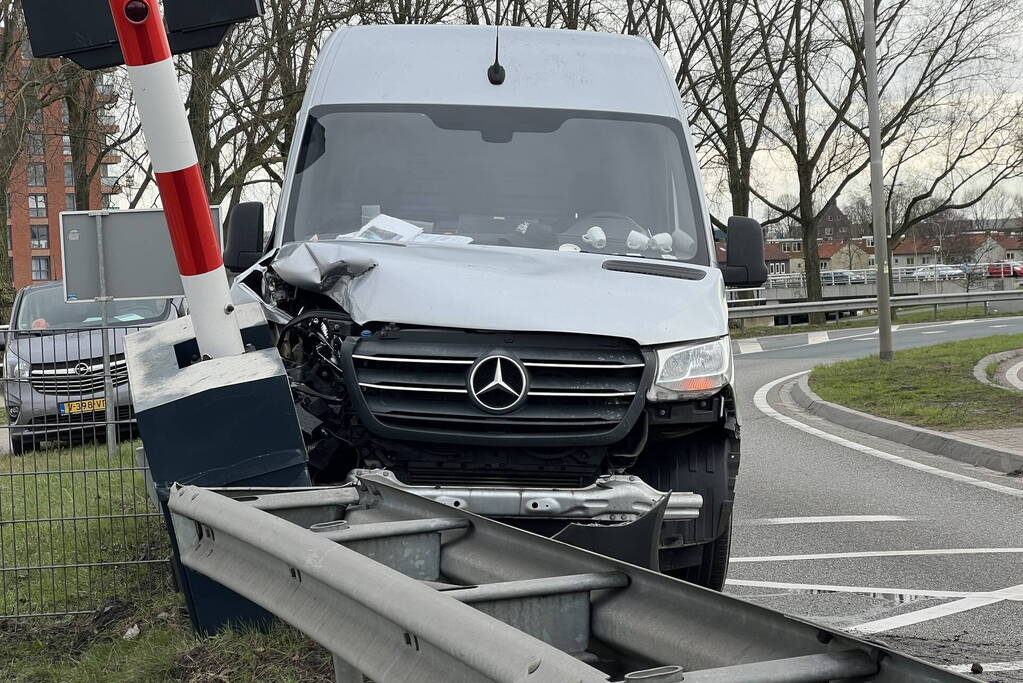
(15, 367)
(692, 371)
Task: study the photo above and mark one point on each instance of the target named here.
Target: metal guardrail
(805, 307)
(922, 273)
(401, 588)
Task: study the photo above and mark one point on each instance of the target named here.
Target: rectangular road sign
(138, 259)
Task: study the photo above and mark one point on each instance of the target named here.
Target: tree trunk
(6, 276)
(83, 132)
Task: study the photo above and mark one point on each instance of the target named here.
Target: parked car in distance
(53, 363)
(1006, 269)
(938, 272)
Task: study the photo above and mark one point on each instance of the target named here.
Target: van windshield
(548, 179)
(44, 308)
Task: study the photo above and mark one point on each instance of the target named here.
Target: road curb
(980, 369)
(928, 440)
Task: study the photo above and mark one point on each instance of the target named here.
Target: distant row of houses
(786, 255)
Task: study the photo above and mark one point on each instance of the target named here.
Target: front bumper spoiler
(612, 498)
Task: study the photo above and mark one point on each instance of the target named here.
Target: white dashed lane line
(831, 519)
(750, 346)
(816, 338)
(877, 553)
(865, 590)
(939, 611)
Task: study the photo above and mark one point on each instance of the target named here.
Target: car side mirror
(745, 265)
(243, 240)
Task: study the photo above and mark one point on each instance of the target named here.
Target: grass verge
(932, 386)
(906, 316)
(93, 649)
(78, 534)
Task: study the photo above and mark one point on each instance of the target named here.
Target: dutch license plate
(88, 405)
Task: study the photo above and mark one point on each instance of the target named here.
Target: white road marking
(760, 401)
(997, 326)
(993, 667)
(1014, 375)
(932, 332)
(939, 611)
(878, 553)
(895, 328)
(750, 346)
(832, 519)
(823, 588)
(816, 338)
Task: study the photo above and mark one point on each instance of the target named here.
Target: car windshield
(45, 309)
(548, 179)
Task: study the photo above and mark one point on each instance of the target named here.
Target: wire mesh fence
(77, 528)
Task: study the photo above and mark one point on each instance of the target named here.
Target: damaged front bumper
(612, 498)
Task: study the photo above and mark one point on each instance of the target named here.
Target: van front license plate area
(89, 405)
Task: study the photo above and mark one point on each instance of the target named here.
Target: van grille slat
(418, 381)
(63, 379)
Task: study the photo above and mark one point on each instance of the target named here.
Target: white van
(506, 294)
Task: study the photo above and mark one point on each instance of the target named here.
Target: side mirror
(745, 265)
(243, 240)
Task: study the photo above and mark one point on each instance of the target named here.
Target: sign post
(147, 55)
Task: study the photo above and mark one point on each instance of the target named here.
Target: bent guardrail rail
(804, 307)
(400, 588)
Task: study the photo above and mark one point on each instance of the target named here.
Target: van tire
(713, 567)
(19, 445)
(699, 463)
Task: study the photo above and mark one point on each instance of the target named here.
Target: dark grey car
(53, 363)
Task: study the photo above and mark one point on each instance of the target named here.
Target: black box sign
(83, 30)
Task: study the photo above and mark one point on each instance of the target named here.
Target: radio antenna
(495, 74)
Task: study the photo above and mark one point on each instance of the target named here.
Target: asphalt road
(807, 487)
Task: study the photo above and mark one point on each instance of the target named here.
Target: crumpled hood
(503, 288)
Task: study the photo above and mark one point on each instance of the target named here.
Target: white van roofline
(447, 64)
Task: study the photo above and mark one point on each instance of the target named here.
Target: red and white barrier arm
(172, 151)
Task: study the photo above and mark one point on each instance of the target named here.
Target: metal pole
(147, 59)
(884, 310)
(109, 411)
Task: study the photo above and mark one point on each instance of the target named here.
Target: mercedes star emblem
(82, 369)
(498, 383)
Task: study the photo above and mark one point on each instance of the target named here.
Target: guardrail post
(346, 673)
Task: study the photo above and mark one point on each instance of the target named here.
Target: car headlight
(15, 367)
(693, 371)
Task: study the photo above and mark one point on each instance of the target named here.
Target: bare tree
(721, 71)
(933, 56)
(26, 88)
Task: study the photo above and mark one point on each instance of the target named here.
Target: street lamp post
(884, 304)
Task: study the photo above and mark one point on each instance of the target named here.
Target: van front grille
(416, 384)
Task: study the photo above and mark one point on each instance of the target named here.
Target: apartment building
(41, 186)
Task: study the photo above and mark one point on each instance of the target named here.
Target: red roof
(1008, 241)
(908, 247)
(772, 252)
(828, 249)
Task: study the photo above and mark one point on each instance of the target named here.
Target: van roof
(549, 68)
